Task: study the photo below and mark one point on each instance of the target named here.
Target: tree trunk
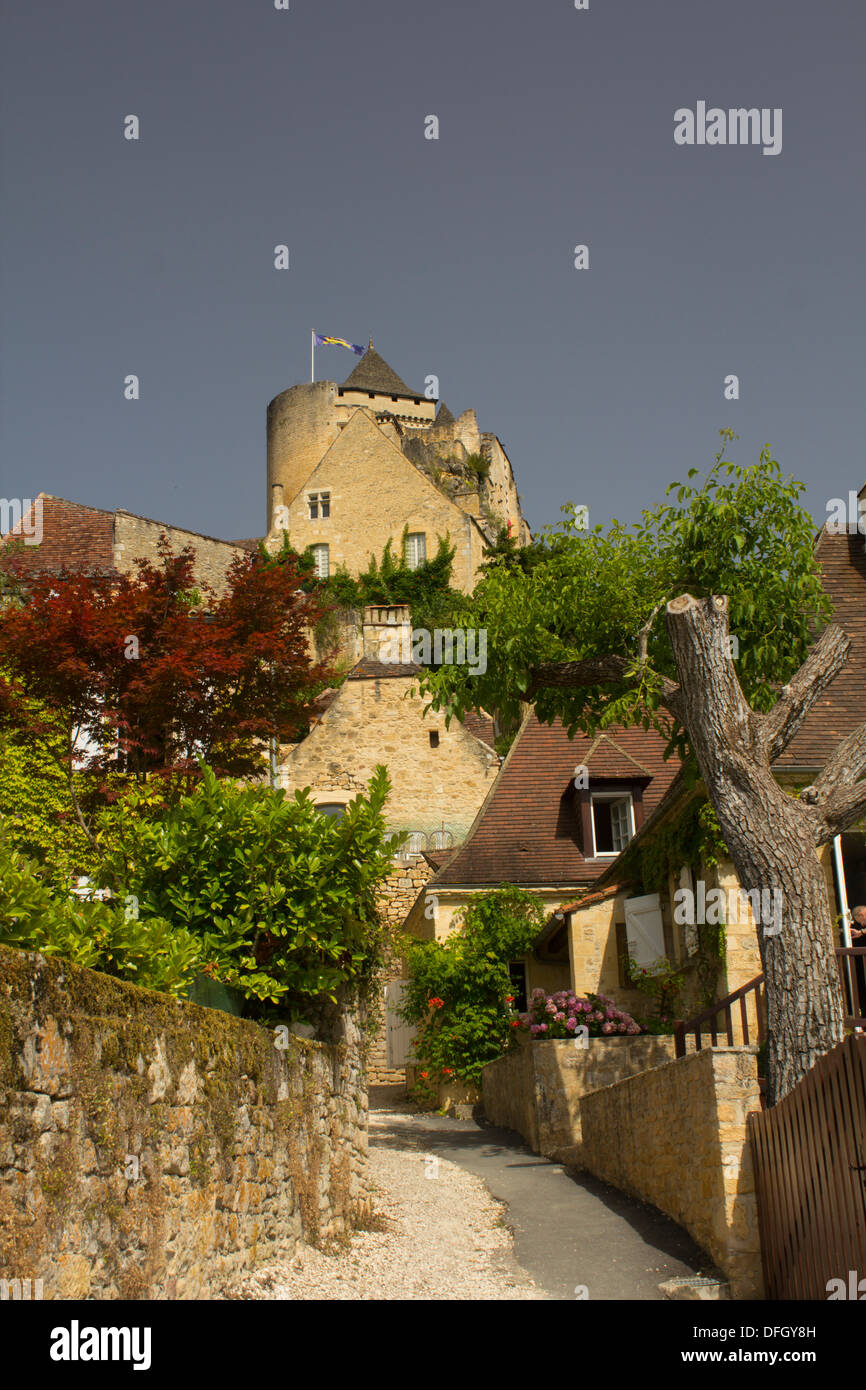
(772, 841)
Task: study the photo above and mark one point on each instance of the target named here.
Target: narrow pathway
(465, 1211)
(571, 1232)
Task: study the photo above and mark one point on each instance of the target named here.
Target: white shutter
(644, 929)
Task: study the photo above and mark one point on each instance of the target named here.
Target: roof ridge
(619, 748)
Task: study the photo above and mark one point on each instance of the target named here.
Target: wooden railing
(706, 1022)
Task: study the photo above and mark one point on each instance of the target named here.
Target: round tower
(303, 423)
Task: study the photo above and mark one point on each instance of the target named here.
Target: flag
(322, 340)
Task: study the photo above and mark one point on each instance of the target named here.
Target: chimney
(387, 633)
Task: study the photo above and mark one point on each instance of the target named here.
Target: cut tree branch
(821, 667)
(596, 670)
(846, 764)
(843, 812)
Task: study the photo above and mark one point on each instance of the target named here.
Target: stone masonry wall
(676, 1137)
(374, 721)
(137, 538)
(150, 1148)
(375, 492)
(537, 1089)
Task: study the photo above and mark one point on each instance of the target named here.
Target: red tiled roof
(843, 705)
(74, 537)
(528, 829)
(608, 758)
(597, 897)
(481, 725)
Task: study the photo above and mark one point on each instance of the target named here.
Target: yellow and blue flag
(322, 340)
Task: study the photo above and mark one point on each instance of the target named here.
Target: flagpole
(312, 354)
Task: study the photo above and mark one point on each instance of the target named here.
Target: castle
(353, 466)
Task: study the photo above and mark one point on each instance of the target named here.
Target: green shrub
(36, 916)
(458, 994)
(281, 897)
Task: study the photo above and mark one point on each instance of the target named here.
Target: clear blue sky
(307, 127)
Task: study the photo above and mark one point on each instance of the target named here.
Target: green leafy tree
(633, 625)
(469, 1022)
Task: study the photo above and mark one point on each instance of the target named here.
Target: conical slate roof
(444, 416)
(373, 374)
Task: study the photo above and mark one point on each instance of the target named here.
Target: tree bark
(772, 837)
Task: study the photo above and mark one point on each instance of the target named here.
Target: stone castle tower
(354, 465)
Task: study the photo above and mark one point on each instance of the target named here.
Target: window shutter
(644, 927)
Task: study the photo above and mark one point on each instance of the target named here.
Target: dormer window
(612, 822)
(319, 504)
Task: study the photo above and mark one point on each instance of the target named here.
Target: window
(335, 809)
(319, 504)
(434, 738)
(322, 561)
(612, 823)
(441, 839)
(416, 550)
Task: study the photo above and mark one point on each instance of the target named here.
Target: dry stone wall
(150, 1148)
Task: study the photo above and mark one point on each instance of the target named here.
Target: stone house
(353, 466)
(439, 778)
(552, 822)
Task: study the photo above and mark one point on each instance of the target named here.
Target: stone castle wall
(150, 1148)
(375, 492)
(302, 424)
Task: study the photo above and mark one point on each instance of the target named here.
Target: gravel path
(440, 1236)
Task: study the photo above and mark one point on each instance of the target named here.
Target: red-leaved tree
(147, 673)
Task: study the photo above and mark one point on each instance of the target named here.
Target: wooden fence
(809, 1157)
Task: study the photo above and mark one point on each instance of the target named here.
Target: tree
(579, 634)
(155, 672)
